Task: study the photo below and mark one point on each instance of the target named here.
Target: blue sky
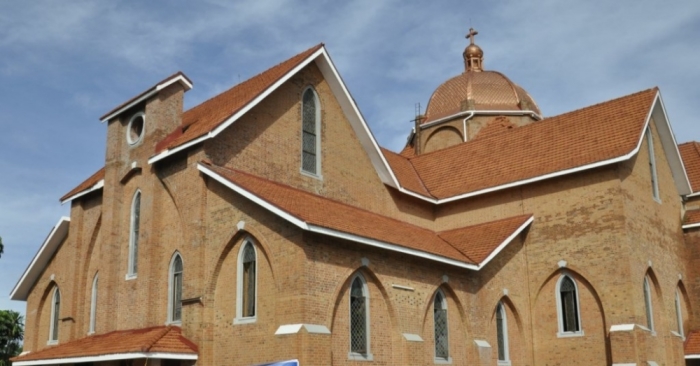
(64, 64)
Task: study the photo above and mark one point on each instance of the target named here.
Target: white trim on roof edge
(488, 113)
(94, 187)
(155, 90)
(690, 226)
(692, 357)
(346, 101)
(673, 157)
(356, 238)
(112, 357)
(41, 258)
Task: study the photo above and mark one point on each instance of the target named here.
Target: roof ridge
(312, 194)
(538, 123)
(157, 337)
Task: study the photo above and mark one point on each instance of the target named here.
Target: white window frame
(240, 319)
(132, 265)
(355, 356)
(171, 284)
(318, 174)
(93, 304)
(143, 129)
(652, 166)
(54, 317)
(560, 316)
(679, 314)
(648, 307)
(501, 308)
(436, 359)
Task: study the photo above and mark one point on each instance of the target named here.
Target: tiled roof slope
(477, 241)
(208, 115)
(98, 176)
(585, 136)
(405, 173)
(692, 343)
(691, 217)
(165, 339)
(690, 153)
(460, 244)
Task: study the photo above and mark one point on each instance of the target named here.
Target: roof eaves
(110, 357)
(41, 258)
(99, 185)
(177, 77)
(505, 243)
(243, 110)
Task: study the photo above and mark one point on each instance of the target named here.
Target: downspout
(464, 123)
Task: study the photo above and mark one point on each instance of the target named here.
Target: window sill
(312, 175)
(130, 277)
(91, 333)
(443, 361)
(570, 334)
(681, 336)
(653, 332)
(657, 199)
(504, 363)
(245, 320)
(177, 323)
(354, 356)
(52, 342)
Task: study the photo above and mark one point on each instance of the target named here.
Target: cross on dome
(471, 35)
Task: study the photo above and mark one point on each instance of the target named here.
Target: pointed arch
(440, 327)
(55, 316)
(175, 280)
(310, 132)
(682, 308)
(134, 229)
(359, 318)
(568, 305)
(502, 333)
(507, 323)
(247, 282)
(93, 304)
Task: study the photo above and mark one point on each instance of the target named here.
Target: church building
(266, 224)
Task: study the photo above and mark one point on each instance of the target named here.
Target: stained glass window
(501, 333)
(310, 124)
(176, 295)
(647, 302)
(440, 317)
(248, 280)
(569, 304)
(134, 234)
(56, 312)
(358, 317)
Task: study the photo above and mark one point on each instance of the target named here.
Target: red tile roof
(585, 136)
(690, 153)
(692, 343)
(165, 339)
(179, 73)
(85, 185)
(691, 217)
(208, 115)
(405, 173)
(469, 245)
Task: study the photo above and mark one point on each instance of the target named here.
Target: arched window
(175, 295)
(93, 305)
(247, 283)
(134, 235)
(679, 314)
(359, 319)
(55, 316)
(568, 310)
(502, 334)
(442, 345)
(647, 302)
(310, 136)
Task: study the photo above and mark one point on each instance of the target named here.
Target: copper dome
(478, 91)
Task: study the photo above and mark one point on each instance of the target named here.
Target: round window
(134, 131)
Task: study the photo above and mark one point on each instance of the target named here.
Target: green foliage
(11, 335)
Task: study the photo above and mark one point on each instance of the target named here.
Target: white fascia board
(105, 358)
(164, 154)
(41, 258)
(357, 121)
(229, 121)
(694, 194)
(668, 141)
(247, 194)
(506, 242)
(96, 186)
(390, 247)
(690, 226)
(474, 113)
(151, 93)
(351, 237)
(687, 357)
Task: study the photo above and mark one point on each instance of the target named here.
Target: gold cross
(471, 35)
